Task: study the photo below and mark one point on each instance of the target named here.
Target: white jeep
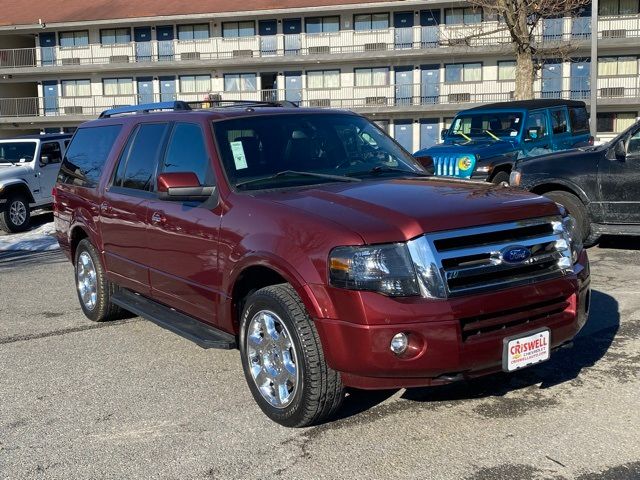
(28, 171)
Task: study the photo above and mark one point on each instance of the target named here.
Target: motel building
(409, 65)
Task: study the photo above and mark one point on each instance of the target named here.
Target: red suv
(316, 245)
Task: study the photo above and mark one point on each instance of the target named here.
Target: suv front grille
(471, 259)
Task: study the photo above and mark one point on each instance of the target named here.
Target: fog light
(399, 343)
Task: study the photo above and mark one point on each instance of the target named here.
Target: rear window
(85, 158)
(579, 119)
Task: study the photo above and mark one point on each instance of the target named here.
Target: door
(48, 166)
(552, 79)
(430, 84)
(167, 89)
(404, 85)
(291, 28)
(293, 87)
(403, 24)
(145, 90)
(268, 85)
(552, 29)
(403, 134)
(183, 236)
(47, 48)
(165, 36)
(142, 37)
(581, 24)
(429, 132)
(620, 182)
(562, 138)
(430, 30)
(580, 80)
(268, 39)
(50, 92)
(537, 135)
(124, 205)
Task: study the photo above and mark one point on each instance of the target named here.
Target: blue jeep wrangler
(484, 142)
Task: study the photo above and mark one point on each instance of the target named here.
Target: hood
(10, 172)
(481, 148)
(400, 209)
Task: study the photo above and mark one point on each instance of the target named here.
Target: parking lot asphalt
(130, 400)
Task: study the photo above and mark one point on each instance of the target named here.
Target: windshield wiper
(382, 169)
(287, 173)
(6, 160)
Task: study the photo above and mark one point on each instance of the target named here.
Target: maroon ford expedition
(313, 243)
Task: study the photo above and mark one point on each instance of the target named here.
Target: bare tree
(521, 19)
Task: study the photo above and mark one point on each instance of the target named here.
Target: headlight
(386, 269)
(571, 241)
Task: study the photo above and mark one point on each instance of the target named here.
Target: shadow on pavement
(22, 258)
(620, 242)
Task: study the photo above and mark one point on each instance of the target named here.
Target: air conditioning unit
(190, 56)
(119, 59)
(70, 61)
(374, 47)
(459, 97)
(611, 92)
(319, 50)
(320, 102)
(242, 53)
(76, 110)
(621, 33)
(371, 101)
(512, 95)
(456, 42)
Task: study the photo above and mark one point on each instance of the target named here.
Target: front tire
(283, 360)
(500, 177)
(16, 216)
(577, 210)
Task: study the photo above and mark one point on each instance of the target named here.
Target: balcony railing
(447, 96)
(485, 34)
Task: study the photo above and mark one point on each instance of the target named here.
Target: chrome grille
(471, 260)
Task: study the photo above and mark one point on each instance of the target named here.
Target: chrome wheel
(17, 212)
(272, 358)
(87, 281)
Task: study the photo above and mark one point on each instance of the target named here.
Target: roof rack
(146, 108)
(220, 103)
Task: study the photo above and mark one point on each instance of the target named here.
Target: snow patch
(38, 239)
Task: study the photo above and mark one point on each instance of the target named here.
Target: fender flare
(569, 185)
(16, 182)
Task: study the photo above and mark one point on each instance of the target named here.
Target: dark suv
(599, 186)
(316, 245)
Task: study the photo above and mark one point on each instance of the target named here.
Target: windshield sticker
(239, 157)
(513, 134)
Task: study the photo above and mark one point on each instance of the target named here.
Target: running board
(188, 327)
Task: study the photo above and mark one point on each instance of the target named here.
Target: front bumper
(455, 338)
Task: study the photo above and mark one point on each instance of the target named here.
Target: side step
(188, 327)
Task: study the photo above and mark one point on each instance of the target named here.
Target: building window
(617, 66)
(615, 122)
(507, 70)
(240, 82)
(462, 16)
(76, 88)
(74, 39)
(114, 36)
(193, 32)
(323, 79)
(463, 72)
(372, 77)
(238, 29)
(371, 21)
(619, 7)
(195, 83)
(117, 86)
(322, 25)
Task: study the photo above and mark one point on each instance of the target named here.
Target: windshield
(16, 152)
(492, 126)
(288, 150)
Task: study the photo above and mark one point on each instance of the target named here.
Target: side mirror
(44, 160)
(620, 151)
(182, 187)
(427, 163)
(443, 133)
(533, 133)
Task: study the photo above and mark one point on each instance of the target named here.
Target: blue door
(142, 37)
(145, 89)
(403, 23)
(430, 31)
(291, 28)
(48, 48)
(552, 79)
(167, 89)
(581, 24)
(430, 84)
(404, 85)
(428, 132)
(165, 36)
(403, 134)
(580, 81)
(552, 29)
(50, 91)
(268, 40)
(293, 87)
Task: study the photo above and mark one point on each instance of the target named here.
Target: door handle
(105, 208)
(157, 218)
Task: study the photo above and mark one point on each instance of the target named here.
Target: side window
(187, 152)
(559, 122)
(87, 153)
(536, 126)
(52, 151)
(579, 119)
(138, 161)
(633, 147)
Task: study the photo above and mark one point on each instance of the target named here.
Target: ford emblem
(515, 254)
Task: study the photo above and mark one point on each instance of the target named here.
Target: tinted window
(559, 121)
(85, 158)
(52, 151)
(579, 119)
(537, 120)
(138, 162)
(187, 153)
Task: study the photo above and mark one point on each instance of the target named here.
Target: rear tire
(577, 210)
(16, 215)
(283, 360)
